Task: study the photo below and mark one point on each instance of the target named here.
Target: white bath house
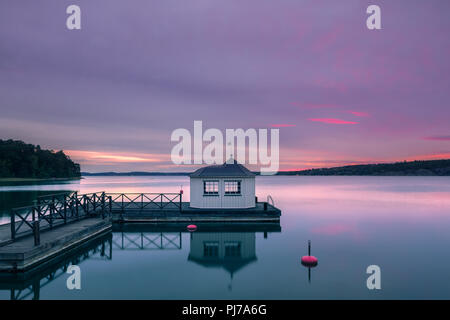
(230, 185)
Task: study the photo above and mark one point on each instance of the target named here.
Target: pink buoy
(192, 227)
(309, 260)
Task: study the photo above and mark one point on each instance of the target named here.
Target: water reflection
(230, 247)
(231, 251)
(147, 241)
(28, 285)
(353, 222)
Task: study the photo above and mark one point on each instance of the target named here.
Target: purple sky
(112, 93)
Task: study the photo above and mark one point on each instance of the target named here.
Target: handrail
(46, 215)
(270, 200)
(139, 193)
(141, 201)
(54, 210)
(56, 195)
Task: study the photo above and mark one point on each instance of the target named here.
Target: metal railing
(59, 209)
(54, 210)
(145, 201)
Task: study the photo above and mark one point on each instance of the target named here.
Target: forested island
(405, 168)
(21, 160)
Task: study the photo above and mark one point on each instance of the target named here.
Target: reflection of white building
(230, 185)
(228, 250)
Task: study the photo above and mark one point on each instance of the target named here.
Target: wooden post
(103, 205)
(76, 205)
(65, 210)
(110, 204)
(12, 295)
(39, 208)
(181, 202)
(51, 211)
(121, 211)
(13, 225)
(36, 233)
(36, 290)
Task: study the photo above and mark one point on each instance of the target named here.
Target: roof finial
(230, 160)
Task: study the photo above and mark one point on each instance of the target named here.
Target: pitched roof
(228, 169)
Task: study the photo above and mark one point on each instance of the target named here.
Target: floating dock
(262, 212)
(60, 223)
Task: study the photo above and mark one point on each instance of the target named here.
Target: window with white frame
(211, 187)
(232, 187)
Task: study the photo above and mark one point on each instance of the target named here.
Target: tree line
(21, 160)
(405, 168)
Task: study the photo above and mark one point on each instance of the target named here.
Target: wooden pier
(59, 223)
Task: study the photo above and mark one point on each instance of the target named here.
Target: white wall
(245, 200)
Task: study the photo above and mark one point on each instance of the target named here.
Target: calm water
(401, 224)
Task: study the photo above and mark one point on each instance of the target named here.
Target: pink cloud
(358, 113)
(438, 138)
(99, 157)
(282, 125)
(332, 121)
(314, 106)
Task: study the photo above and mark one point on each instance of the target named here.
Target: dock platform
(143, 214)
(59, 223)
(23, 254)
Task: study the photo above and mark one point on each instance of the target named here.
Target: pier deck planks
(23, 254)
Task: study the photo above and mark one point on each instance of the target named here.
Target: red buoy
(309, 260)
(192, 227)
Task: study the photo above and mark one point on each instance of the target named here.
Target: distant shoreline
(405, 168)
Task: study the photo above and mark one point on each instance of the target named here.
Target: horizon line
(294, 170)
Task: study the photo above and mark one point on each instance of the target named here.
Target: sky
(111, 94)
